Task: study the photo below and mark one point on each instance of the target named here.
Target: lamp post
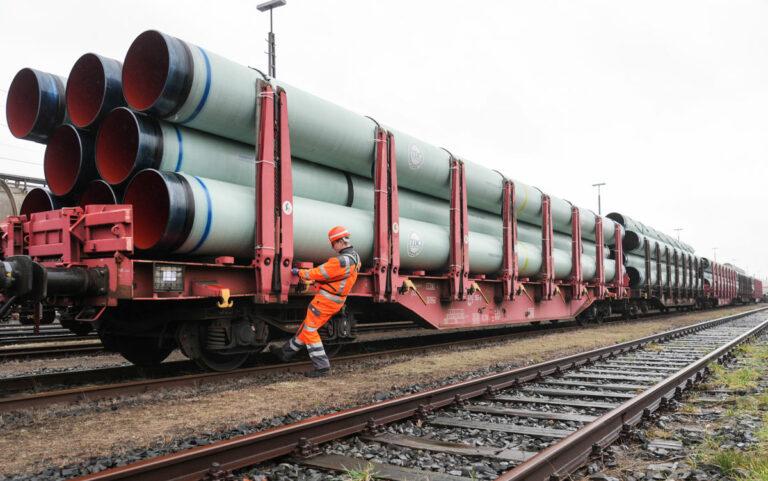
(714, 250)
(678, 233)
(269, 6)
(599, 205)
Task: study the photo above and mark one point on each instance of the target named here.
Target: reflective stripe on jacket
(337, 276)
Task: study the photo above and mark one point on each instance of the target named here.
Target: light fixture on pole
(599, 205)
(269, 6)
(714, 250)
(678, 233)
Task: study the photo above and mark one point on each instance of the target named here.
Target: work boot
(318, 372)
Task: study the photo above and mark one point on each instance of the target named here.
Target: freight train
(183, 188)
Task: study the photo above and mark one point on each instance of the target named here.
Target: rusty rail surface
(95, 347)
(242, 451)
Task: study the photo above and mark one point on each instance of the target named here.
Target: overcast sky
(665, 101)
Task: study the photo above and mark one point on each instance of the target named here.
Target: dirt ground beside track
(58, 436)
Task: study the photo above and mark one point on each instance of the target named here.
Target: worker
(335, 279)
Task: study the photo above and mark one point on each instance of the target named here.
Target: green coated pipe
(129, 141)
(187, 85)
(190, 215)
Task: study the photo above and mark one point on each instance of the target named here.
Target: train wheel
(192, 338)
(333, 350)
(213, 361)
(141, 351)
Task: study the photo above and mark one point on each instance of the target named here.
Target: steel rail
(43, 339)
(169, 380)
(247, 450)
(47, 351)
(561, 459)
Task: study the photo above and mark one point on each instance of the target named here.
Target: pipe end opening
(117, 146)
(62, 160)
(145, 70)
(149, 195)
(36, 200)
(86, 88)
(98, 192)
(22, 105)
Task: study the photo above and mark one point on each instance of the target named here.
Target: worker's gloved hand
(294, 271)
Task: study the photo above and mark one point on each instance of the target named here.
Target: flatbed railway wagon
(220, 310)
(749, 289)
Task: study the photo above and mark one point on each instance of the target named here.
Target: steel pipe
(68, 162)
(186, 214)
(39, 200)
(35, 105)
(98, 192)
(185, 84)
(193, 215)
(94, 88)
(635, 266)
(128, 142)
(640, 228)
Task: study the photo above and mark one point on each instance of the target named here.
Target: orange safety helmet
(338, 232)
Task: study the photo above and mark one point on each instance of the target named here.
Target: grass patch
(654, 347)
(368, 473)
(750, 464)
(754, 363)
(659, 433)
(689, 408)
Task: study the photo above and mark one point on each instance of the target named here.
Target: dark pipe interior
(36, 200)
(148, 194)
(634, 276)
(23, 103)
(631, 241)
(616, 217)
(145, 70)
(85, 90)
(62, 160)
(98, 192)
(117, 146)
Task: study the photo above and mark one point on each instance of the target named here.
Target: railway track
(79, 384)
(21, 330)
(535, 423)
(43, 339)
(18, 351)
(43, 352)
(41, 390)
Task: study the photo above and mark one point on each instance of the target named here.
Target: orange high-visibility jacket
(336, 277)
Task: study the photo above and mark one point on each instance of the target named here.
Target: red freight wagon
(82, 262)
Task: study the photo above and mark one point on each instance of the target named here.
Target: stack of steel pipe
(180, 149)
(636, 236)
(65, 114)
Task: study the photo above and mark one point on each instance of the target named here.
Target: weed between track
(751, 463)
